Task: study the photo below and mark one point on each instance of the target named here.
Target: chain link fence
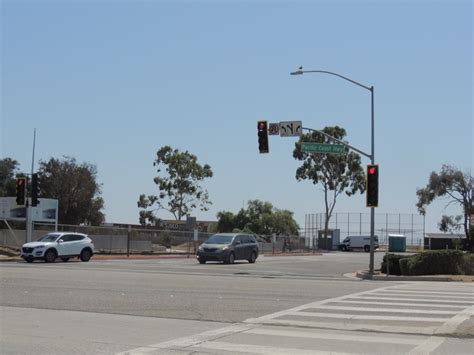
(147, 240)
(412, 226)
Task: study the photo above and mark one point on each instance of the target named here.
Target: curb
(365, 275)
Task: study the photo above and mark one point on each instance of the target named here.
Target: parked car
(228, 247)
(59, 245)
(358, 242)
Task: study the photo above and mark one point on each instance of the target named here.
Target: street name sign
(322, 148)
(291, 128)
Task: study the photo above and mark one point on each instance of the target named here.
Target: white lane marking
(384, 310)
(340, 336)
(451, 325)
(260, 349)
(371, 297)
(427, 346)
(405, 329)
(468, 294)
(365, 317)
(425, 296)
(190, 340)
(402, 304)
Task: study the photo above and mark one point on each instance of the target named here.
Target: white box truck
(353, 242)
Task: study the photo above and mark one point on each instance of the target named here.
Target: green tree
(336, 173)
(179, 186)
(452, 185)
(226, 221)
(450, 223)
(8, 172)
(76, 188)
(260, 218)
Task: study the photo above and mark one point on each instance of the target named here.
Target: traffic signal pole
(300, 71)
(372, 161)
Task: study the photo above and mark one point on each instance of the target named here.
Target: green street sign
(322, 148)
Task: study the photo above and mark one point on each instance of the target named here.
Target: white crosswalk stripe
(413, 317)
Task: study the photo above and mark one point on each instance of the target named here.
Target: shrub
(404, 267)
(468, 264)
(394, 266)
(434, 263)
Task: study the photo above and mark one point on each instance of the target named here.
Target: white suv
(59, 245)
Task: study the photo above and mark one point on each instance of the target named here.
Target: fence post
(273, 243)
(128, 240)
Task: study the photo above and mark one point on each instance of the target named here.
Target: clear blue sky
(111, 82)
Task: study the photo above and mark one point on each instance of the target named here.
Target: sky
(111, 82)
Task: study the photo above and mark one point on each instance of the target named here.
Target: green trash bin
(397, 243)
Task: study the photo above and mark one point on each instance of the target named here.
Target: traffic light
(372, 186)
(34, 190)
(20, 191)
(262, 136)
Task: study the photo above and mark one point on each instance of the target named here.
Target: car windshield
(220, 239)
(49, 238)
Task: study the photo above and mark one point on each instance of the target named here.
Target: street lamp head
(297, 72)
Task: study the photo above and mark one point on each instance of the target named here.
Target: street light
(300, 71)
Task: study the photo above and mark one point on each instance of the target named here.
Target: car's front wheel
(86, 255)
(253, 257)
(231, 258)
(50, 256)
(367, 248)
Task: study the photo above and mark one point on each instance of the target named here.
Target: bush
(435, 262)
(404, 267)
(468, 264)
(394, 267)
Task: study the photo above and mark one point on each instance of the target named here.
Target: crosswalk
(414, 318)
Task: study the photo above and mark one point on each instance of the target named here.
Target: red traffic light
(262, 136)
(20, 191)
(372, 186)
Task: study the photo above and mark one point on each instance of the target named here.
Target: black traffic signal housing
(21, 191)
(34, 190)
(262, 136)
(372, 186)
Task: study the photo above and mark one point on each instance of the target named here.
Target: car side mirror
(59, 241)
(238, 242)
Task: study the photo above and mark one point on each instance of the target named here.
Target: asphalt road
(180, 306)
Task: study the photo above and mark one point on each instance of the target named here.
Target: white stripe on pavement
(383, 310)
(468, 294)
(402, 304)
(451, 325)
(339, 336)
(405, 329)
(371, 297)
(366, 317)
(260, 349)
(431, 297)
